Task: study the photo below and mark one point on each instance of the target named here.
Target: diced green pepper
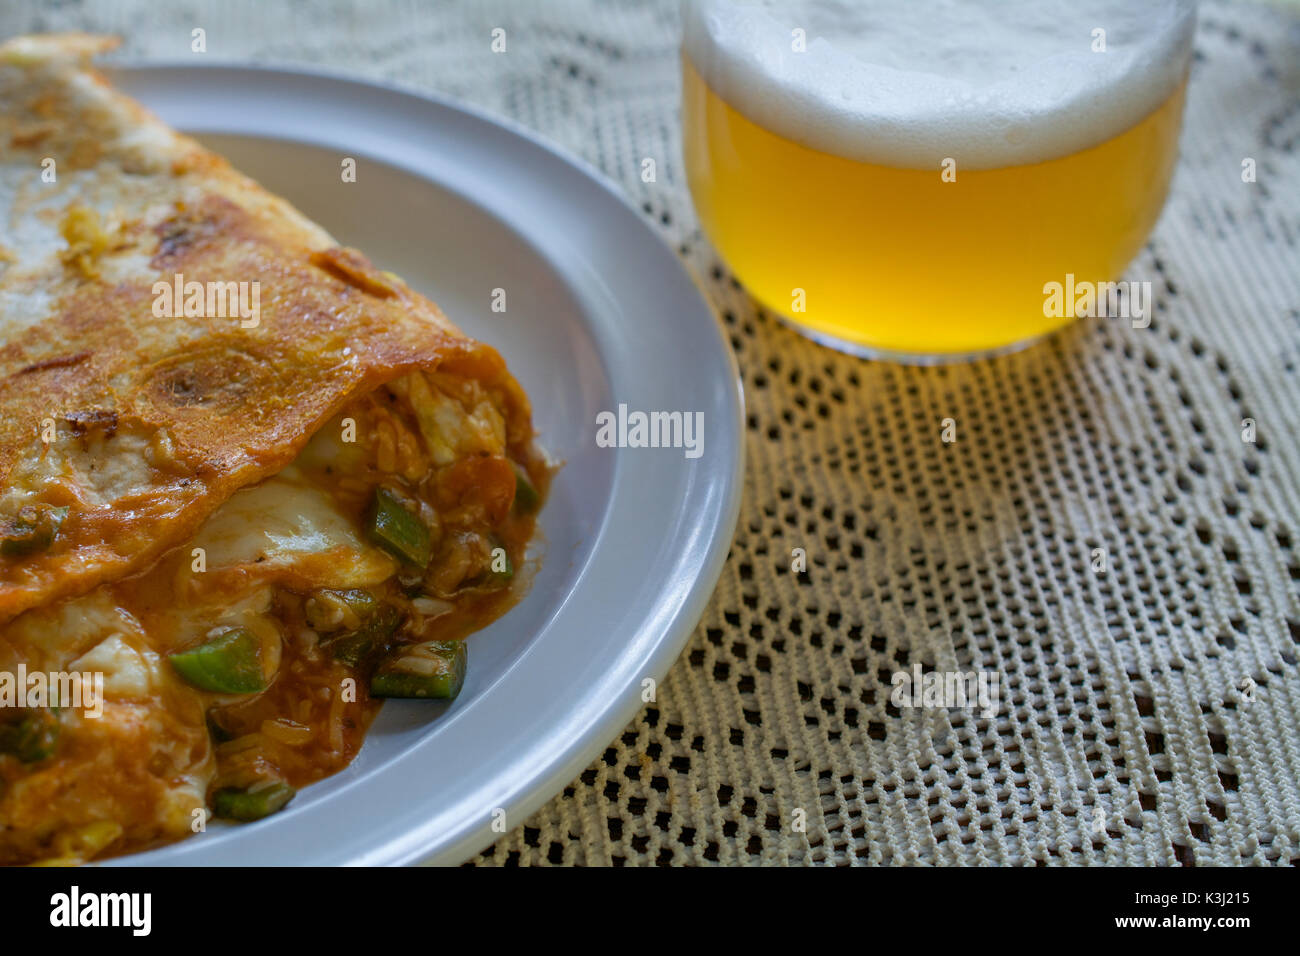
(33, 529)
(434, 669)
(253, 803)
(355, 646)
(33, 737)
(230, 663)
(393, 527)
(323, 609)
(527, 497)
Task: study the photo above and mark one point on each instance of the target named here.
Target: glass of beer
(906, 180)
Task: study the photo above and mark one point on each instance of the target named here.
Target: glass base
(909, 358)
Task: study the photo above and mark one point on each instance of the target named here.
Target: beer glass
(907, 179)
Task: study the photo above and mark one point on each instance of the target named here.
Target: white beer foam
(987, 82)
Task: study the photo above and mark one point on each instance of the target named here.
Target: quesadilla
(250, 484)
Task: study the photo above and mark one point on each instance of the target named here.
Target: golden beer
(946, 250)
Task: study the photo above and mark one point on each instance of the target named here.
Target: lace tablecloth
(1148, 715)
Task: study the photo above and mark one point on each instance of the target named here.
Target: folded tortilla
(171, 465)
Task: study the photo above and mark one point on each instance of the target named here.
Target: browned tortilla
(158, 420)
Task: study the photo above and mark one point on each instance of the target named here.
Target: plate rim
(614, 715)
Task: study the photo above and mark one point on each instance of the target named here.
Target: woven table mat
(1148, 714)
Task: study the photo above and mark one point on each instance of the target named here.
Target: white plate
(598, 312)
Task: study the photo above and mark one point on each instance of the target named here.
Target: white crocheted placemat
(1148, 715)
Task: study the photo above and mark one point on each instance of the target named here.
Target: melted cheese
(279, 523)
(52, 636)
(128, 671)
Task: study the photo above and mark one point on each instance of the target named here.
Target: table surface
(1148, 714)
